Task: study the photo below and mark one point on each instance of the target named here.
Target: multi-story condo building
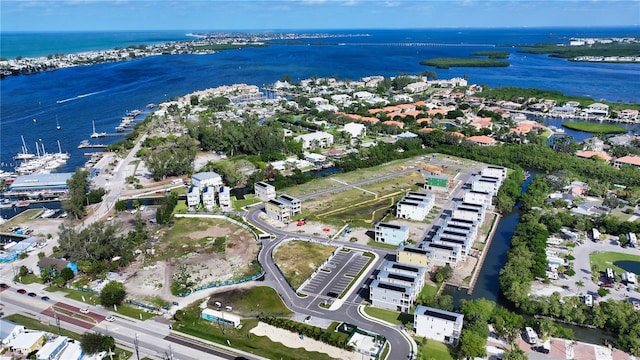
(412, 255)
(193, 197)
(440, 325)
(209, 198)
(264, 191)
(390, 233)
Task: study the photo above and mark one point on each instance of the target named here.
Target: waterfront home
(390, 296)
(482, 140)
(591, 154)
(593, 144)
(632, 160)
(488, 184)
(440, 325)
(630, 115)
(478, 197)
(597, 110)
(416, 87)
(444, 251)
(412, 255)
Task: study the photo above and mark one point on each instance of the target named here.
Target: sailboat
(97, 134)
(58, 127)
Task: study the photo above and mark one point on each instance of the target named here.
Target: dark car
(22, 291)
(540, 349)
(3, 286)
(45, 298)
(32, 294)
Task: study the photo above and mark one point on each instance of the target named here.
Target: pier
(85, 144)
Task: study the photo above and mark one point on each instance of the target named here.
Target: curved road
(401, 348)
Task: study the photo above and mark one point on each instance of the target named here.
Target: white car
(84, 310)
(110, 218)
(110, 318)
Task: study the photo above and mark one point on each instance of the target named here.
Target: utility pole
(135, 344)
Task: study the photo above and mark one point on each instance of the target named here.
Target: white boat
(58, 127)
(25, 154)
(97, 134)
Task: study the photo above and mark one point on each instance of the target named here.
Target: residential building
(390, 296)
(278, 210)
(9, 330)
(264, 191)
(485, 184)
(28, 341)
(221, 317)
(442, 255)
(416, 283)
(597, 110)
(412, 255)
(52, 349)
(633, 160)
(406, 269)
(415, 206)
(482, 140)
(318, 139)
(494, 171)
(204, 179)
(391, 233)
(440, 325)
(209, 198)
(315, 159)
(478, 197)
(193, 197)
(416, 87)
(224, 198)
(295, 205)
(356, 130)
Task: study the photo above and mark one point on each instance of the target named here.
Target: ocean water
(103, 93)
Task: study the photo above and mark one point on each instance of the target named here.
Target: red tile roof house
(589, 154)
(482, 140)
(627, 160)
(394, 123)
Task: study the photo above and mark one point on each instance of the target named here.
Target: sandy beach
(292, 340)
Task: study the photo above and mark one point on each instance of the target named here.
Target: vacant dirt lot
(212, 250)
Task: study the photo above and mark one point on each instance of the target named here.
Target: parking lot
(331, 280)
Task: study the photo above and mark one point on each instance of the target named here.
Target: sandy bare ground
(154, 279)
(292, 340)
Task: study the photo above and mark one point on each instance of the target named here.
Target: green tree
(78, 185)
(515, 354)
(66, 274)
(93, 343)
(113, 293)
(472, 344)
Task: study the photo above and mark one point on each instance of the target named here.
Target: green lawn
(390, 316)
(19, 219)
(33, 324)
(91, 299)
(606, 259)
(298, 259)
(431, 349)
(28, 279)
(249, 199)
(595, 128)
(429, 291)
(382, 245)
(241, 338)
(252, 302)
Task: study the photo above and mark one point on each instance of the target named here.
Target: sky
(104, 15)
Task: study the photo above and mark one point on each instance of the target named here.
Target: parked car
(84, 310)
(4, 286)
(540, 349)
(32, 294)
(45, 298)
(110, 318)
(22, 291)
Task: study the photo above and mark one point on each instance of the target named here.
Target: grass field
(252, 302)
(241, 338)
(34, 324)
(606, 259)
(249, 199)
(390, 316)
(595, 128)
(91, 299)
(19, 219)
(298, 259)
(431, 349)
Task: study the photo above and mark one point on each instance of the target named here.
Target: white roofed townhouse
(630, 115)
(478, 197)
(319, 101)
(315, 159)
(401, 268)
(295, 204)
(209, 198)
(416, 283)
(597, 110)
(414, 206)
(439, 325)
(362, 95)
(416, 87)
(193, 197)
(341, 98)
(264, 191)
(319, 139)
(494, 171)
(390, 233)
(443, 253)
(9, 330)
(390, 296)
(224, 198)
(485, 184)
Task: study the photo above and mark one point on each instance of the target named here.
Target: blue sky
(68, 15)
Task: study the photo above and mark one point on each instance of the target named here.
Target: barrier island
(595, 128)
(445, 63)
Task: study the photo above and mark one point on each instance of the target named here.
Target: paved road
(348, 312)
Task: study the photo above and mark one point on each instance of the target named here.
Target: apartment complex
(440, 325)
